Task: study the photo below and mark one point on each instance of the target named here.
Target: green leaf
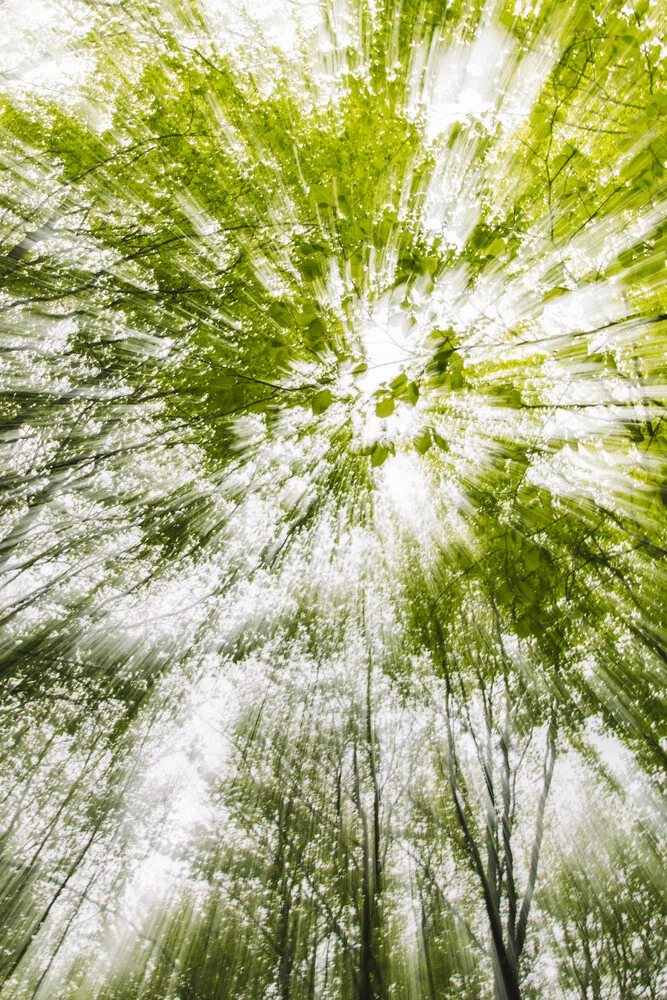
(423, 441)
(316, 331)
(411, 393)
(282, 313)
(385, 406)
(531, 556)
(321, 401)
(525, 627)
(321, 195)
(379, 455)
(504, 593)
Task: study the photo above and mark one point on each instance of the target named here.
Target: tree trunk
(507, 979)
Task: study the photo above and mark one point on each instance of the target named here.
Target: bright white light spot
(387, 345)
(406, 486)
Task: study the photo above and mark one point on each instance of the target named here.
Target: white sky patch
(388, 344)
(187, 757)
(37, 47)
(586, 308)
(465, 80)
(406, 486)
(486, 80)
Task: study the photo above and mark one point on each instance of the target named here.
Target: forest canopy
(333, 650)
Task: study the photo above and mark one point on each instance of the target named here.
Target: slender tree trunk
(366, 949)
(506, 978)
(427, 957)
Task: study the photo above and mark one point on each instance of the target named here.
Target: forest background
(334, 500)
